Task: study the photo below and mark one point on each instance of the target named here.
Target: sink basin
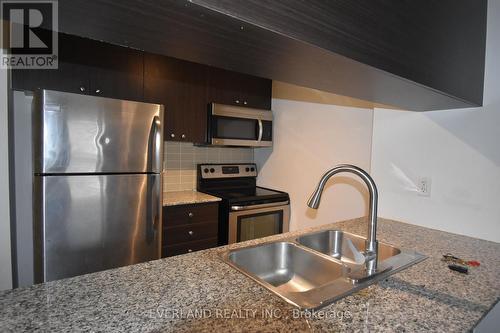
(287, 267)
(313, 270)
(330, 242)
(297, 275)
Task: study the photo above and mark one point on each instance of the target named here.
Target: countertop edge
(178, 198)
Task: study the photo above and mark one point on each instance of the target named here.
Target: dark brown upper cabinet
(181, 87)
(227, 87)
(88, 67)
(116, 72)
(72, 74)
(184, 88)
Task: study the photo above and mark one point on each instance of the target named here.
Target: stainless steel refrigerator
(97, 183)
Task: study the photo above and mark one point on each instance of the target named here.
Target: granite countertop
(187, 197)
(198, 292)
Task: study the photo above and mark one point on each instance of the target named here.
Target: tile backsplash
(180, 160)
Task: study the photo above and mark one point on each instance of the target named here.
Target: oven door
(237, 126)
(251, 222)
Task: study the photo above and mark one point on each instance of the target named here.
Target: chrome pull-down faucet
(371, 242)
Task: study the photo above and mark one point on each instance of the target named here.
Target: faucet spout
(371, 242)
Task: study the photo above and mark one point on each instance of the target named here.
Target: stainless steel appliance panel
(258, 215)
(90, 223)
(86, 134)
(239, 126)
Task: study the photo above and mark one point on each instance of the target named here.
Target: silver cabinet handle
(237, 101)
(172, 135)
(183, 136)
(190, 214)
(189, 250)
(98, 91)
(82, 89)
(190, 232)
(245, 102)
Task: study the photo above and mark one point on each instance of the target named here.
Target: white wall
(5, 251)
(458, 149)
(310, 138)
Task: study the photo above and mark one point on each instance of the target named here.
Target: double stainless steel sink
(316, 269)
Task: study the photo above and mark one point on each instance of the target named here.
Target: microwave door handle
(261, 130)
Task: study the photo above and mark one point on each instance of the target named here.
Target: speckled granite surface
(197, 292)
(187, 197)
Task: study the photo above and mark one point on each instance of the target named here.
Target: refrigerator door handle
(153, 211)
(154, 149)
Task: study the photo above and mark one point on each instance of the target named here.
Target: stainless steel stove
(247, 211)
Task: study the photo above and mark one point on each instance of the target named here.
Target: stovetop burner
(235, 183)
(247, 211)
(250, 195)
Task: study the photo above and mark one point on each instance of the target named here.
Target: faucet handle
(358, 256)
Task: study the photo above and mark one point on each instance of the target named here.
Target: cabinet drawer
(168, 251)
(189, 214)
(188, 233)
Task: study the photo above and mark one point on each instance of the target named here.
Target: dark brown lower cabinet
(189, 228)
(183, 248)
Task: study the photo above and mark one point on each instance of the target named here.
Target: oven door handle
(268, 205)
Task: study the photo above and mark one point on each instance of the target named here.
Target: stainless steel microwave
(239, 126)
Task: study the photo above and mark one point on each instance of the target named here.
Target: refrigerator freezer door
(86, 134)
(91, 223)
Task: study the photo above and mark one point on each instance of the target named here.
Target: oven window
(234, 128)
(259, 225)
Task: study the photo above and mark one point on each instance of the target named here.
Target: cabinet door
(115, 72)
(257, 92)
(72, 75)
(224, 87)
(89, 67)
(181, 87)
(68, 77)
(227, 87)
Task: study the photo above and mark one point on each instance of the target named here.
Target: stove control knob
(212, 170)
(205, 170)
(247, 169)
(252, 169)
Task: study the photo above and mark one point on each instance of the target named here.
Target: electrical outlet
(424, 186)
